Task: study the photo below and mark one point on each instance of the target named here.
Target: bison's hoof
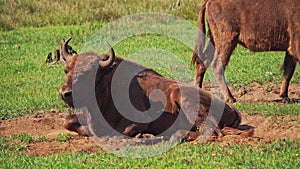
(288, 100)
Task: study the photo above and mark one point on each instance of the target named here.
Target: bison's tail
(200, 42)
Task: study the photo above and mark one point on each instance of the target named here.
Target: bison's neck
(103, 88)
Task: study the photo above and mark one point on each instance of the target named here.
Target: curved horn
(111, 58)
(64, 50)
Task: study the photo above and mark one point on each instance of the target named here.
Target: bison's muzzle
(66, 96)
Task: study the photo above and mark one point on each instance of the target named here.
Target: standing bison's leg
(224, 48)
(202, 62)
(288, 71)
(199, 74)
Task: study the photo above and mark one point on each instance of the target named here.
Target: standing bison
(260, 25)
(184, 106)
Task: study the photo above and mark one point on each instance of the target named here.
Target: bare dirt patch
(269, 92)
(259, 93)
(50, 125)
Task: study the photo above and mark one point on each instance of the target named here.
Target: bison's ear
(110, 60)
(64, 50)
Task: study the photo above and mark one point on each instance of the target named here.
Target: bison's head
(82, 72)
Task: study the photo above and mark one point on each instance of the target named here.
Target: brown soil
(258, 93)
(49, 124)
(255, 92)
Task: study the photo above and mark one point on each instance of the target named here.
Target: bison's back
(260, 25)
(294, 27)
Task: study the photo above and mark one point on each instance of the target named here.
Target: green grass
(17, 13)
(283, 154)
(28, 84)
(269, 109)
(245, 67)
(40, 138)
(23, 137)
(63, 137)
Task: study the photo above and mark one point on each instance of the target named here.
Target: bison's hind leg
(288, 71)
(72, 123)
(224, 45)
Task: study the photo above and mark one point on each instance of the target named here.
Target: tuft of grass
(63, 137)
(23, 138)
(40, 138)
(4, 143)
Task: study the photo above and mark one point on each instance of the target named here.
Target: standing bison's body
(261, 25)
(187, 105)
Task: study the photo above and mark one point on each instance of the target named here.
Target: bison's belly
(261, 43)
(263, 33)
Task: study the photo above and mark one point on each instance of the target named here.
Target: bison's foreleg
(199, 74)
(225, 43)
(288, 71)
(184, 135)
(72, 123)
(218, 65)
(129, 128)
(202, 63)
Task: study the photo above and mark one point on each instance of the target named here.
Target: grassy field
(16, 13)
(30, 85)
(276, 155)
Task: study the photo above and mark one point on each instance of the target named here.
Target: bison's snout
(66, 95)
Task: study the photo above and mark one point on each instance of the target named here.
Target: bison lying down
(186, 105)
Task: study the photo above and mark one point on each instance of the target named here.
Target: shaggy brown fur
(179, 98)
(261, 25)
